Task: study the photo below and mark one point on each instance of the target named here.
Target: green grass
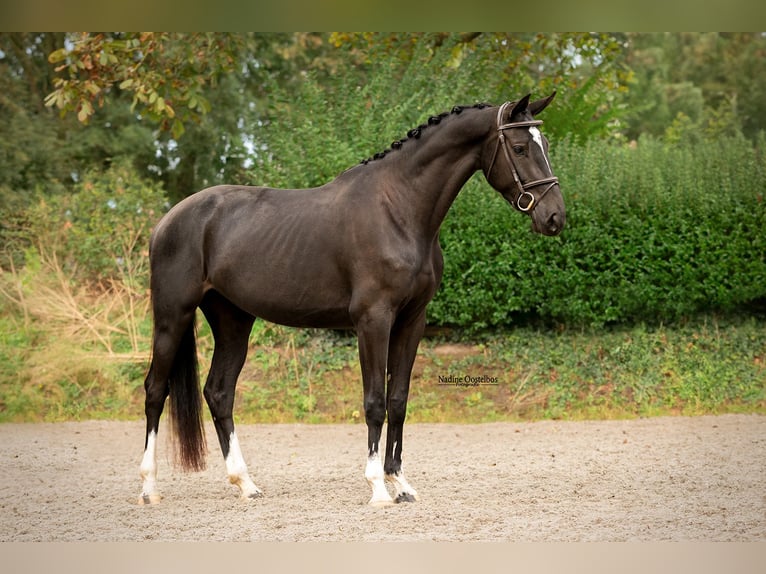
(701, 367)
(709, 365)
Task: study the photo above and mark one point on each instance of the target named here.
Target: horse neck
(434, 168)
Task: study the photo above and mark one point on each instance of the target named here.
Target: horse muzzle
(548, 222)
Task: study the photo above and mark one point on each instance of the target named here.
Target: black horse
(360, 252)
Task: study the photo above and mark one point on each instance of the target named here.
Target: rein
(522, 187)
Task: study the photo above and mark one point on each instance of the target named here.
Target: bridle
(522, 187)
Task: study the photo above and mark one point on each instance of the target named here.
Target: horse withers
(361, 252)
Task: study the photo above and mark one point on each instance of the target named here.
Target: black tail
(186, 404)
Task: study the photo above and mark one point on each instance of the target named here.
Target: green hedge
(655, 233)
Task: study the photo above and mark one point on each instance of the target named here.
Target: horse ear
(521, 106)
(540, 105)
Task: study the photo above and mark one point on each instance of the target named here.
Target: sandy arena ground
(680, 479)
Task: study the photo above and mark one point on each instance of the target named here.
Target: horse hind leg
(173, 355)
(148, 468)
(231, 328)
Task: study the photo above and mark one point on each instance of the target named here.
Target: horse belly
(288, 296)
(313, 318)
(299, 309)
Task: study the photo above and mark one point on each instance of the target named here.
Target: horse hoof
(405, 497)
(380, 503)
(252, 495)
(149, 499)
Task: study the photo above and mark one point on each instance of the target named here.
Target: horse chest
(406, 273)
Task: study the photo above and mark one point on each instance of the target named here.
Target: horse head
(522, 173)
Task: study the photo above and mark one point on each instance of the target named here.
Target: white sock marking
(149, 470)
(401, 485)
(236, 468)
(374, 475)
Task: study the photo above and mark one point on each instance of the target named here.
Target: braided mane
(415, 133)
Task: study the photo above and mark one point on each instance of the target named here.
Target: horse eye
(518, 149)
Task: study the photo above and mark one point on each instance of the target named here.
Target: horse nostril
(554, 223)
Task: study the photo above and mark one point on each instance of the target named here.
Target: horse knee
(397, 411)
(374, 411)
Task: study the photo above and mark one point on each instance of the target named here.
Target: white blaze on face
(538, 139)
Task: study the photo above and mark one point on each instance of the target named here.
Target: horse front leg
(405, 339)
(374, 330)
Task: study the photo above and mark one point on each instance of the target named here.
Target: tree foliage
(139, 91)
(713, 83)
(166, 73)
(29, 154)
(381, 85)
(185, 111)
(101, 230)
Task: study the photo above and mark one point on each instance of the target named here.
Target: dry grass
(104, 319)
(76, 340)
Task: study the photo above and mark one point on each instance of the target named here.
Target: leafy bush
(655, 232)
(101, 231)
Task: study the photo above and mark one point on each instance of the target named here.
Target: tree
(712, 83)
(189, 109)
(166, 73)
(41, 152)
(586, 69)
(30, 156)
(194, 93)
(367, 89)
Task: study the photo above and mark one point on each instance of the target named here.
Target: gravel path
(676, 478)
